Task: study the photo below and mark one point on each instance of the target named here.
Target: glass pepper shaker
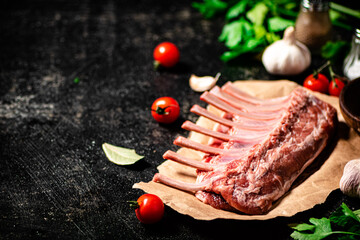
(351, 65)
(313, 25)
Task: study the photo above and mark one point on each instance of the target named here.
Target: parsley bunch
(342, 224)
(251, 25)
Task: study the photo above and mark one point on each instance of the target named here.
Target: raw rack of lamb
(257, 149)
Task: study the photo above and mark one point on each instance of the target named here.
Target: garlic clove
(350, 180)
(201, 84)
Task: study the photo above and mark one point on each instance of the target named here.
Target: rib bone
(170, 155)
(187, 125)
(184, 142)
(190, 187)
(205, 113)
(259, 109)
(222, 105)
(242, 96)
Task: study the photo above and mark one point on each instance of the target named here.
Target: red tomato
(335, 87)
(166, 54)
(150, 209)
(165, 110)
(319, 83)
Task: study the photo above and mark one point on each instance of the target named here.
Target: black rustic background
(55, 181)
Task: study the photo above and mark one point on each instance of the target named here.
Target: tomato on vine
(335, 87)
(317, 82)
(320, 83)
(337, 83)
(165, 110)
(166, 54)
(149, 208)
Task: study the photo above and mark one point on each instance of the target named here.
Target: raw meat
(258, 148)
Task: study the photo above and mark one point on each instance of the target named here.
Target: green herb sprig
(252, 25)
(342, 224)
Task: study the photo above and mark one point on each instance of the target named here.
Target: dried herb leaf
(120, 155)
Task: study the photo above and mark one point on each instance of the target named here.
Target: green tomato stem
(161, 111)
(134, 204)
(332, 74)
(156, 65)
(317, 71)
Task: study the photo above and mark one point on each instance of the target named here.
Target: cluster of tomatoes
(320, 83)
(149, 208)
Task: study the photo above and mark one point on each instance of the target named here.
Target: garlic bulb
(287, 56)
(201, 84)
(350, 180)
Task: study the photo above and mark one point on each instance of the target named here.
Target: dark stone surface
(55, 181)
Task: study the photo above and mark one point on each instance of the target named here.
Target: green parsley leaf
(287, 8)
(236, 10)
(209, 8)
(321, 229)
(276, 24)
(260, 31)
(272, 37)
(357, 213)
(258, 13)
(232, 34)
(236, 32)
(345, 221)
(332, 50)
(303, 227)
(252, 45)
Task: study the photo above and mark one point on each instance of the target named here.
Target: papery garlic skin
(287, 56)
(350, 180)
(202, 84)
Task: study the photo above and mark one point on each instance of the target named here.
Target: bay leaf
(120, 155)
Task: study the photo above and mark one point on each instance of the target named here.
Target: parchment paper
(311, 188)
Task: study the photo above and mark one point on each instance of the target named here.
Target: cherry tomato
(150, 209)
(166, 54)
(318, 82)
(165, 110)
(335, 87)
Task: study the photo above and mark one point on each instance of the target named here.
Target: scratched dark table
(55, 181)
